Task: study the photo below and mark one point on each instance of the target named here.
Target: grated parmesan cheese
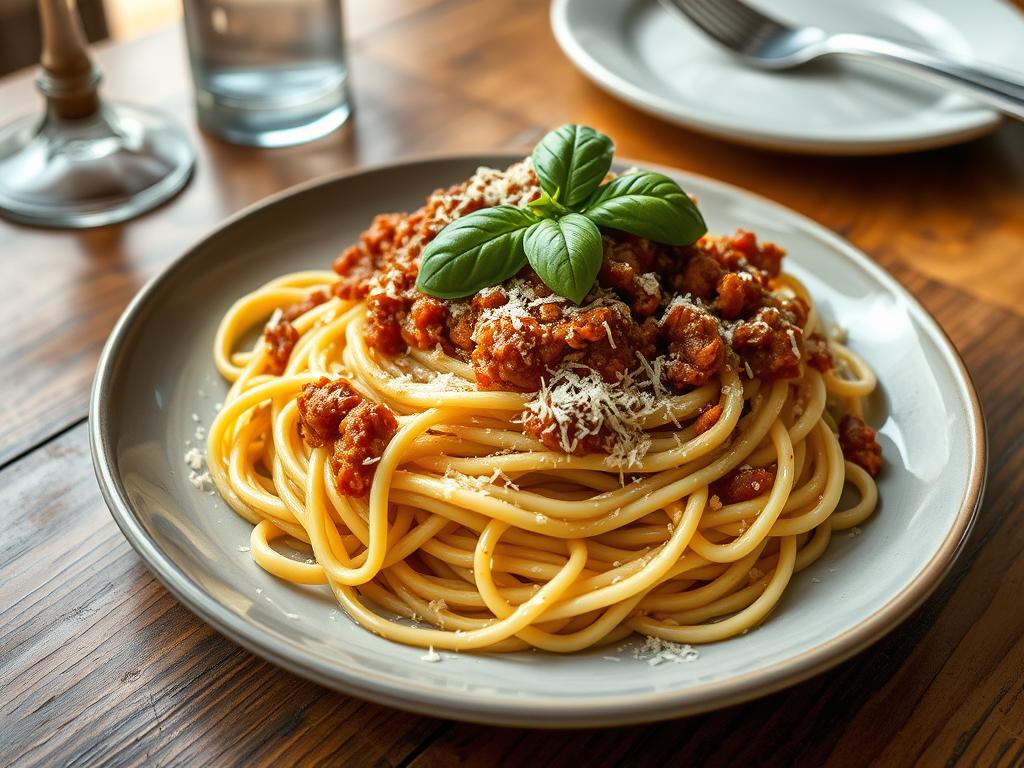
(497, 475)
(611, 339)
(521, 296)
(194, 459)
(437, 605)
(648, 283)
(792, 343)
(200, 481)
(656, 651)
(576, 403)
(682, 300)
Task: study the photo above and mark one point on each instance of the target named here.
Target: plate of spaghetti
(563, 442)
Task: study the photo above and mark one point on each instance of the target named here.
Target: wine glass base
(88, 172)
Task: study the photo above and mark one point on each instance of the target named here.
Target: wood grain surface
(99, 665)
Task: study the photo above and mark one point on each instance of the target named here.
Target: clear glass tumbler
(268, 73)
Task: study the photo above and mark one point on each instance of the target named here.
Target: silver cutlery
(770, 44)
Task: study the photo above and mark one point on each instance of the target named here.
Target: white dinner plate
(156, 384)
(654, 59)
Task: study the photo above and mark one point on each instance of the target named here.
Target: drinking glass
(85, 163)
(268, 73)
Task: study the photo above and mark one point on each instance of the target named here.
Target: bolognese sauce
(699, 308)
(356, 431)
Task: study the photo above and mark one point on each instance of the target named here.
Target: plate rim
(526, 710)
(665, 109)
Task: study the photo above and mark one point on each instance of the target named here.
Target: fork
(770, 44)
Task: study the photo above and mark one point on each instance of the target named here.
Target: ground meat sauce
(770, 344)
(708, 417)
(744, 484)
(859, 444)
(357, 431)
(552, 439)
(697, 308)
(322, 406)
(281, 335)
(818, 353)
(694, 344)
(365, 433)
(299, 308)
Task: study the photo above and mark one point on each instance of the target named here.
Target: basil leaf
(474, 252)
(647, 204)
(545, 207)
(566, 253)
(571, 162)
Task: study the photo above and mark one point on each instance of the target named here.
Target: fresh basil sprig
(558, 233)
(475, 252)
(566, 252)
(649, 205)
(571, 161)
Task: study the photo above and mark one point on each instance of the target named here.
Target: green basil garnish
(558, 233)
(571, 161)
(475, 252)
(649, 205)
(566, 254)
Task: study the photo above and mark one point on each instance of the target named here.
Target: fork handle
(982, 83)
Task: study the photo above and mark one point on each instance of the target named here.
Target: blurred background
(114, 19)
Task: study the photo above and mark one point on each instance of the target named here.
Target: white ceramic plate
(654, 59)
(156, 372)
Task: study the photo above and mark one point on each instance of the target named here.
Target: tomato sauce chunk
(859, 444)
(280, 336)
(696, 351)
(365, 433)
(708, 417)
(322, 406)
(744, 484)
(769, 344)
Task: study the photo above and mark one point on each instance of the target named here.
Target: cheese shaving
(576, 403)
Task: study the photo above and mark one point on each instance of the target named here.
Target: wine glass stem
(68, 78)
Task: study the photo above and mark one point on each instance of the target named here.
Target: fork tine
(745, 21)
(706, 16)
(731, 22)
(747, 15)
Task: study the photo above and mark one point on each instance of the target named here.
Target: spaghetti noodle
(566, 517)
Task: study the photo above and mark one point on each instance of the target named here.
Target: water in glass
(268, 72)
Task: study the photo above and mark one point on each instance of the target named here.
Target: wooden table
(98, 664)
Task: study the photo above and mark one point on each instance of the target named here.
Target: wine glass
(85, 163)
